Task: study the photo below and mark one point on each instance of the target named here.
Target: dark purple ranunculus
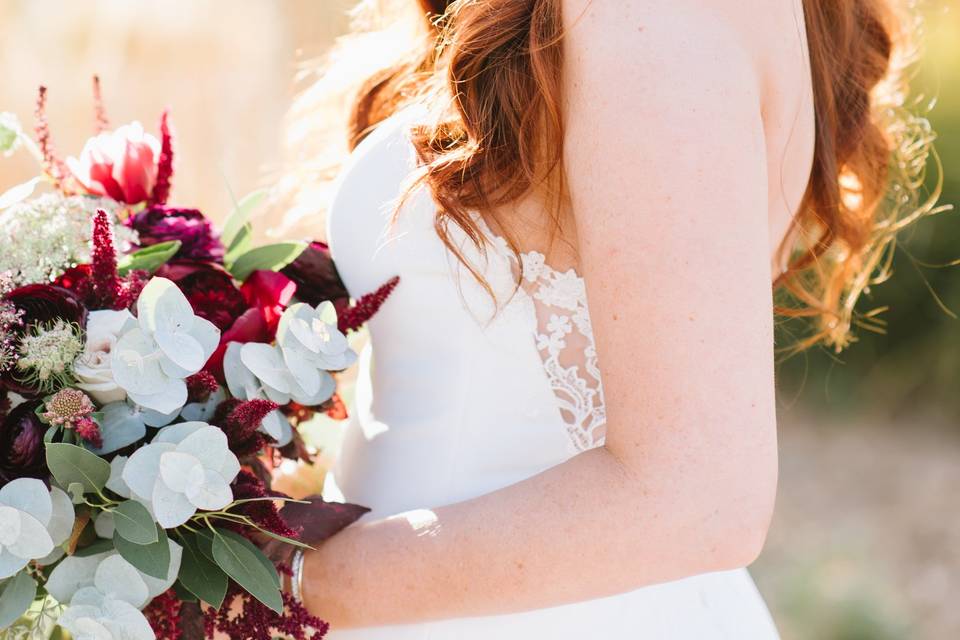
(22, 453)
(45, 303)
(316, 276)
(160, 223)
(41, 304)
(209, 288)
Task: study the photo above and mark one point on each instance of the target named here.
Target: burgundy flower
(160, 223)
(41, 304)
(241, 420)
(268, 293)
(209, 288)
(44, 303)
(264, 513)
(161, 190)
(22, 453)
(316, 276)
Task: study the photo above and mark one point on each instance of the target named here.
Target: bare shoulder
(760, 38)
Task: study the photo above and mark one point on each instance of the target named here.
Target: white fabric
(459, 396)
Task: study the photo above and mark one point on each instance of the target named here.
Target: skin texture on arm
(667, 173)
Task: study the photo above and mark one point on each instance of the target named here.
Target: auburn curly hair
(501, 60)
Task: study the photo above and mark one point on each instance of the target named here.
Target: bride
(661, 164)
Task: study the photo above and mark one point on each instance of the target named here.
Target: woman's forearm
(584, 529)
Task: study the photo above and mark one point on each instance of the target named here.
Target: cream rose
(92, 367)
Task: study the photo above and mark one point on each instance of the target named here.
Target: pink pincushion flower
(119, 164)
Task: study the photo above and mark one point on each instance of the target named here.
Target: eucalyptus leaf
(75, 489)
(240, 215)
(200, 575)
(152, 559)
(72, 464)
(100, 546)
(16, 597)
(149, 258)
(248, 567)
(270, 257)
(134, 523)
(183, 594)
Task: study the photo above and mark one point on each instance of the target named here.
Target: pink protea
(161, 189)
(72, 409)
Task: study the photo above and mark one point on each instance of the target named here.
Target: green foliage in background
(915, 366)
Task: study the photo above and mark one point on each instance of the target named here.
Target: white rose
(92, 369)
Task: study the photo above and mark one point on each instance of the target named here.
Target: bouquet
(152, 371)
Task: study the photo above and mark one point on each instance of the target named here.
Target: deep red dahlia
(209, 288)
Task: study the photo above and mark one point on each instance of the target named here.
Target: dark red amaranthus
(353, 317)
(161, 188)
(263, 512)
(163, 614)
(200, 386)
(256, 621)
(52, 164)
(102, 123)
(104, 280)
(240, 420)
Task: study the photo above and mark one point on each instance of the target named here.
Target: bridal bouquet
(152, 369)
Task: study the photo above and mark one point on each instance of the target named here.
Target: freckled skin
(675, 217)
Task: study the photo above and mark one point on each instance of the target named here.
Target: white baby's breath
(44, 236)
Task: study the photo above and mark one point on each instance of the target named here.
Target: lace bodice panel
(557, 302)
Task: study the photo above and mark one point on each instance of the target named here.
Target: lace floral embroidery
(564, 338)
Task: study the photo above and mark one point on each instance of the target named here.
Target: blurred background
(866, 539)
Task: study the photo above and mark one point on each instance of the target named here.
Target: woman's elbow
(742, 527)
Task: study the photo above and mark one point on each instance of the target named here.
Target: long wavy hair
(496, 67)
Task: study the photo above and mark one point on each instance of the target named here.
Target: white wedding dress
(455, 401)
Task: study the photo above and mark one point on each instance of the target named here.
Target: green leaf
(149, 258)
(153, 559)
(204, 539)
(199, 575)
(248, 567)
(134, 523)
(290, 541)
(270, 257)
(240, 245)
(239, 217)
(93, 549)
(183, 594)
(16, 597)
(75, 489)
(70, 463)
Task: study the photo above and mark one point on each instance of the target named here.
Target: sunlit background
(866, 541)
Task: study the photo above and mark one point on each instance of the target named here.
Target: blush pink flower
(119, 164)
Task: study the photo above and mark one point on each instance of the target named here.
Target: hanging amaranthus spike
(102, 123)
(103, 261)
(52, 165)
(352, 318)
(161, 189)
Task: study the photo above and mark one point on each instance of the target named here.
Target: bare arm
(665, 158)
